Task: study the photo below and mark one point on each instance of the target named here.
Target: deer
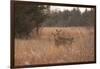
(60, 39)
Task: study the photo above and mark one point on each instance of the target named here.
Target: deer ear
(56, 30)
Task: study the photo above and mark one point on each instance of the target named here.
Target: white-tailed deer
(59, 39)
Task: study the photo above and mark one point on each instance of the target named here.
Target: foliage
(68, 18)
(28, 17)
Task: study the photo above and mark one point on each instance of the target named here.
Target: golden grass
(43, 50)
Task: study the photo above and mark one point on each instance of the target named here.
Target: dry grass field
(42, 50)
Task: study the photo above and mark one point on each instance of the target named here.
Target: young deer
(60, 39)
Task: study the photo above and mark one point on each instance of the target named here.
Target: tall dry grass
(43, 50)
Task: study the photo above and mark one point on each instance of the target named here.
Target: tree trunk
(37, 29)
